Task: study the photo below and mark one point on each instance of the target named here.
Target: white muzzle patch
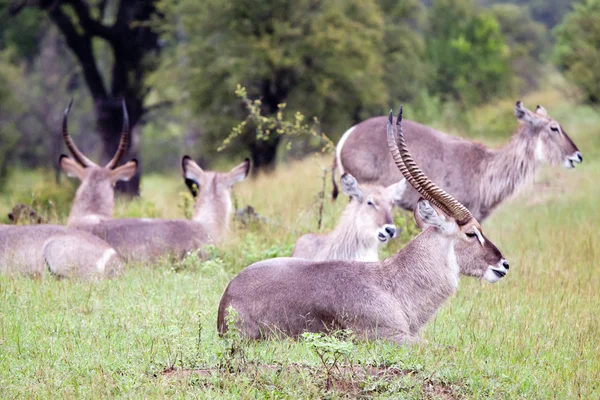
(573, 158)
(386, 233)
(496, 272)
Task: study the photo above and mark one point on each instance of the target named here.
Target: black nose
(505, 264)
(390, 230)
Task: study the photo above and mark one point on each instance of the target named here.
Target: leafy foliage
(577, 49)
(467, 52)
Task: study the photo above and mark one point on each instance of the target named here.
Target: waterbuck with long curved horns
(391, 299)
(365, 225)
(94, 199)
(477, 176)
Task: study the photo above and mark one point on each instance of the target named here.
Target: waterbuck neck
(422, 276)
(506, 170)
(213, 208)
(348, 242)
(91, 206)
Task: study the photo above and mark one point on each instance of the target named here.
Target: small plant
(265, 127)
(331, 349)
(232, 354)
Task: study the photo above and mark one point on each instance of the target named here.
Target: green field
(151, 333)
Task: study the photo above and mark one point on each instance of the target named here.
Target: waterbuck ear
(523, 114)
(397, 190)
(427, 215)
(351, 188)
(193, 174)
(125, 172)
(539, 110)
(71, 167)
(239, 172)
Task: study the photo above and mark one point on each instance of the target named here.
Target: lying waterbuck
(140, 240)
(64, 252)
(94, 199)
(477, 176)
(391, 299)
(365, 225)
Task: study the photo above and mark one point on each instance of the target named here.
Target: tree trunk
(109, 121)
(264, 153)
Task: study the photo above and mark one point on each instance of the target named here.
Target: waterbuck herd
(334, 280)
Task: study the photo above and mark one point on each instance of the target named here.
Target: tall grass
(536, 334)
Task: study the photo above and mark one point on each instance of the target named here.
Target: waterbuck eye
(471, 234)
(554, 129)
(371, 203)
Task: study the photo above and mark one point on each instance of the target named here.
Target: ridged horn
(391, 138)
(77, 154)
(123, 142)
(426, 187)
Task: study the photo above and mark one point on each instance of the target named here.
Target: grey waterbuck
(477, 176)
(391, 299)
(148, 239)
(364, 226)
(94, 200)
(64, 252)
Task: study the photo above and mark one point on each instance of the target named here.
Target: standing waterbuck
(95, 197)
(143, 239)
(392, 299)
(365, 225)
(477, 176)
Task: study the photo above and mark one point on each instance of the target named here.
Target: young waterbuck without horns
(64, 252)
(149, 239)
(365, 225)
(94, 199)
(391, 299)
(477, 176)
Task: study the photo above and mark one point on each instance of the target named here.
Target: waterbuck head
(371, 207)
(475, 254)
(212, 190)
(94, 200)
(552, 144)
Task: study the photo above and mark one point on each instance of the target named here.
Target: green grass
(534, 335)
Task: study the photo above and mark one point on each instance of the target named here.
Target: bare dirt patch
(355, 381)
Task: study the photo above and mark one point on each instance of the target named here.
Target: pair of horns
(417, 178)
(81, 158)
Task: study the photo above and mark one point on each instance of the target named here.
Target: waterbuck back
(64, 252)
(477, 176)
(391, 299)
(142, 239)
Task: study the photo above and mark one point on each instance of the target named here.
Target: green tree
(526, 38)
(117, 32)
(322, 58)
(467, 52)
(577, 50)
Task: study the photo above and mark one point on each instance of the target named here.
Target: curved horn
(123, 143)
(427, 188)
(391, 137)
(77, 154)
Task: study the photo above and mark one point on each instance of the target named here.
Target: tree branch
(82, 47)
(90, 25)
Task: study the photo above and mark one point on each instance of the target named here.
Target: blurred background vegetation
(314, 64)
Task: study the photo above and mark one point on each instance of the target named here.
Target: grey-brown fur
(66, 253)
(392, 299)
(140, 240)
(364, 226)
(478, 177)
